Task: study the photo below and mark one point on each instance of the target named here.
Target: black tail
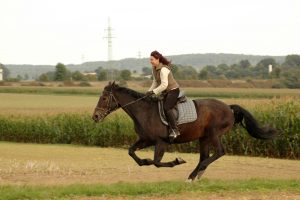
(252, 125)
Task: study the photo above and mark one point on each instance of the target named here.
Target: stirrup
(174, 134)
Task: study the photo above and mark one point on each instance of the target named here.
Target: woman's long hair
(161, 58)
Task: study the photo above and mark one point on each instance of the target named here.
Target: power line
(109, 38)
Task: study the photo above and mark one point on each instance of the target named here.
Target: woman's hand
(149, 93)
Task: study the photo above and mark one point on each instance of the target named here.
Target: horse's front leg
(160, 149)
(140, 144)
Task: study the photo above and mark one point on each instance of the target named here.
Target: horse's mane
(134, 93)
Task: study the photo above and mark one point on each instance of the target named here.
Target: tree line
(287, 73)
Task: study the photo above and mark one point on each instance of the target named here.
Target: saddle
(184, 110)
(180, 99)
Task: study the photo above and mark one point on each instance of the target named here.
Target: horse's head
(106, 104)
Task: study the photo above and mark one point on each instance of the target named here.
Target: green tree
(26, 76)
(276, 72)
(125, 74)
(222, 67)
(203, 75)
(232, 74)
(262, 68)
(291, 78)
(19, 77)
(292, 61)
(61, 72)
(189, 73)
(49, 76)
(43, 78)
(78, 76)
(146, 71)
(245, 64)
(264, 63)
(101, 74)
(211, 71)
(174, 69)
(184, 72)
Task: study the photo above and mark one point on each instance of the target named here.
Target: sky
(72, 31)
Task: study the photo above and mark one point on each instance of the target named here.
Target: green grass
(192, 92)
(50, 90)
(147, 189)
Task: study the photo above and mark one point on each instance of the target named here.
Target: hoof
(147, 161)
(200, 173)
(189, 180)
(180, 161)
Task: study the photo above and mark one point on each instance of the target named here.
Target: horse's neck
(137, 109)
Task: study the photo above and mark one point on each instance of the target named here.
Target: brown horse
(214, 118)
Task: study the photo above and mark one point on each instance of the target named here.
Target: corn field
(117, 131)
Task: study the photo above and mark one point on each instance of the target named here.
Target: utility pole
(139, 55)
(109, 38)
(82, 58)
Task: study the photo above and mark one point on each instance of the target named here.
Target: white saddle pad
(186, 112)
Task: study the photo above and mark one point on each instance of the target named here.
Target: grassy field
(34, 171)
(67, 119)
(45, 171)
(32, 104)
(192, 92)
(205, 189)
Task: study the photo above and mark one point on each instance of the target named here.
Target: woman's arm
(164, 73)
(154, 84)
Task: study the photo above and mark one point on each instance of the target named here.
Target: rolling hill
(196, 60)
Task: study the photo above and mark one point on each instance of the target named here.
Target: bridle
(110, 100)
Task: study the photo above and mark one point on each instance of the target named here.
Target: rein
(112, 97)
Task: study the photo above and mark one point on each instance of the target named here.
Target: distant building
(148, 76)
(1, 74)
(135, 75)
(89, 73)
(270, 68)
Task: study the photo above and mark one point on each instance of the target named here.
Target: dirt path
(33, 164)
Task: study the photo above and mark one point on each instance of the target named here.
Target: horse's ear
(113, 84)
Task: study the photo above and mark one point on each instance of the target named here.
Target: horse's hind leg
(204, 151)
(219, 152)
(204, 154)
(160, 149)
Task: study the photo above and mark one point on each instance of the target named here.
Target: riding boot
(174, 131)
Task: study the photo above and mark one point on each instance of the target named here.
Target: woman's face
(154, 62)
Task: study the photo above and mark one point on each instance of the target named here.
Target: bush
(68, 129)
(12, 80)
(117, 131)
(85, 84)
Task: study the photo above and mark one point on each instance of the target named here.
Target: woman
(164, 82)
